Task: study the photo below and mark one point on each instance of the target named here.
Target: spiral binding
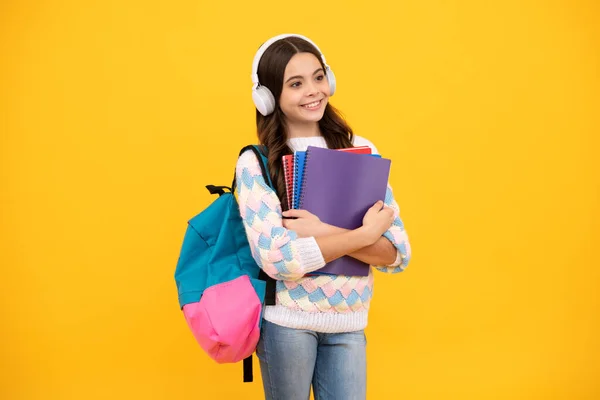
(289, 176)
(295, 181)
(304, 176)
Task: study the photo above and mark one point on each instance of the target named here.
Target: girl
(314, 334)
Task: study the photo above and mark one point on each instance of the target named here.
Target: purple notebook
(339, 188)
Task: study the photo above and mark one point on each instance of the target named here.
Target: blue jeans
(293, 359)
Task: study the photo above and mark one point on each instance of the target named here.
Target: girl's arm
(382, 252)
(375, 223)
(397, 236)
(389, 253)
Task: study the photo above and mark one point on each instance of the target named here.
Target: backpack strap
(248, 376)
(261, 154)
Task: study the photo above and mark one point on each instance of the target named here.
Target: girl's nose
(312, 89)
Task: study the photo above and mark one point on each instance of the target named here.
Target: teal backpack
(221, 288)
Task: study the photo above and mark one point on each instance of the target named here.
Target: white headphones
(261, 95)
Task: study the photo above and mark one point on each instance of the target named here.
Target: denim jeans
(293, 359)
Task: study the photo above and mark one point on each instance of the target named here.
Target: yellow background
(114, 115)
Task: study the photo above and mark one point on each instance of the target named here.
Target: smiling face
(305, 90)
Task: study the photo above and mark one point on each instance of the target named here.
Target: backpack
(221, 288)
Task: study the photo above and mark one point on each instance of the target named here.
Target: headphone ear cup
(331, 80)
(263, 100)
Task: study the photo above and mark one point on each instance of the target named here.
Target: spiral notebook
(357, 150)
(339, 187)
(288, 173)
(299, 161)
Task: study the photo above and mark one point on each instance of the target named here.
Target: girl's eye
(295, 84)
(320, 77)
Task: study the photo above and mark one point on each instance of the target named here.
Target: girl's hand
(306, 224)
(378, 219)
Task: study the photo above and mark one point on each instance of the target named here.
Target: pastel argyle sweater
(322, 303)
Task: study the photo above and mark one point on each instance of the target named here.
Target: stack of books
(338, 186)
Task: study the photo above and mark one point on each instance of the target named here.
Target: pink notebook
(288, 171)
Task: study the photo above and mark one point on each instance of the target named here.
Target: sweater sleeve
(278, 251)
(397, 235)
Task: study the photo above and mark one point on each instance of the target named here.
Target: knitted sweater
(321, 303)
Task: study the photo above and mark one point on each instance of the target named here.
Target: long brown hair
(272, 130)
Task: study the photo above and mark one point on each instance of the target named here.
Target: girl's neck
(303, 130)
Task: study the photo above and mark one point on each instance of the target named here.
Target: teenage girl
(314, 334)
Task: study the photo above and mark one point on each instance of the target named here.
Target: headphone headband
(268, 43)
